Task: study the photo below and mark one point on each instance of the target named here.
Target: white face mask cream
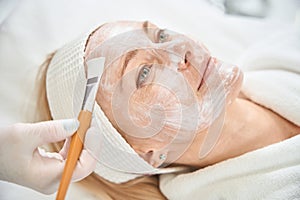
(153, 92)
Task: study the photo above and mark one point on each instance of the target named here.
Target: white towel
(272, 172)
(272, 74)
(272, 79)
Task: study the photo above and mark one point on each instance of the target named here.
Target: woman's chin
(229, 76)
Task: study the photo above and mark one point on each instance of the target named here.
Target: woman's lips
(204, 74)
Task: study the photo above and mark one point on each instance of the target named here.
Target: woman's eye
(143, 75)
(162, 36)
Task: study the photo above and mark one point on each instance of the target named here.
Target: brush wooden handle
(75, 149)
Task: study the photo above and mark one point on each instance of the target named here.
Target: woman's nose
(184, 62)
(182, 48)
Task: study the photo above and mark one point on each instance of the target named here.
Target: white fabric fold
(272, 172)
(272, 74)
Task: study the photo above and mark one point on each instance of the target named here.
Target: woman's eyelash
(143, 75)
(162, 36)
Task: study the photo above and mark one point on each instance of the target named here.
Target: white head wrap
(65, 85)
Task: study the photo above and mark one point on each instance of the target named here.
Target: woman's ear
(155, 157)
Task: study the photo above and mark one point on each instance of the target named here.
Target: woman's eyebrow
(130, 55)
(146, 26)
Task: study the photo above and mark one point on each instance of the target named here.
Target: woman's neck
(247, 127)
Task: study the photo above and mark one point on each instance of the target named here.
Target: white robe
(272, 79)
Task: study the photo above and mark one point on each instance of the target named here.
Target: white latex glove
(23, 163)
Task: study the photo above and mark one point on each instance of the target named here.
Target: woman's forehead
(112, 29)
(114, 40)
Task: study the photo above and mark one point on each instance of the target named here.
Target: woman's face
(160, 88)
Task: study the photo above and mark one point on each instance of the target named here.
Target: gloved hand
(24, 163)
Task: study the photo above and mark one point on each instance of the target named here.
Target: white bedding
(30, 29)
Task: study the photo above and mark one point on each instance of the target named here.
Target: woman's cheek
(156, 101)
(153, 99)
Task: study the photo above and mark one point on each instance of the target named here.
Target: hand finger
(64, 151)
(53, 131)
(87, 161)
(45, 154)
(48, 170)
(93, 141)
(85, 166)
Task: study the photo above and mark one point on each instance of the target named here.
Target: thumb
(53, 131)
(94, 140)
